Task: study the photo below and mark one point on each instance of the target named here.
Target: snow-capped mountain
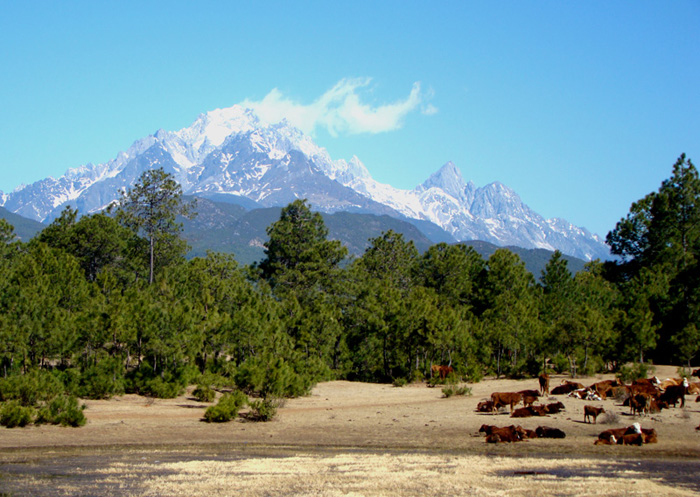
(231, 154)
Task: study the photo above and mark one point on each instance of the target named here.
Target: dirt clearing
(350, 439)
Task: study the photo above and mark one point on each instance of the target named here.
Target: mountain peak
(448, 178)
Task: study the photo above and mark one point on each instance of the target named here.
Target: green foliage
(453, 390)
(62, 410)
(31, 388)
(264, 409)
(629, 373)
(204, 393)
(271, 377)
(400, 382)
(150, 208)
(13, 414)
(227, 408)
(102, 380)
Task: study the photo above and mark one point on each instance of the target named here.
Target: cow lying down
(512, 433)
(632, 435)
(585, 394)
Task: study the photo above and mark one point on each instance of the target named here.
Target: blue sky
(580, 107)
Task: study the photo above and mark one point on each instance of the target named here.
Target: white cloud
(340, 110)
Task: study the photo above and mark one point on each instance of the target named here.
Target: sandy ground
(350, 439)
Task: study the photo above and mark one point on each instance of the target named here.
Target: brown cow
(694, 388)
(566, 387)
(441, 371)
(486, 406)
(528, 400)
(631, 439)
(500, 399)
(547, 432)
(528, 411)
(554, 408)
(544, 383)
(673, 394)
(591, 412)
(495, 434)
(612, 435)
(639, 403)
(696, 373)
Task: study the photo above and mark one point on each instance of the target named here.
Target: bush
(204, 393)
(455, 390)
(684, 372)
(636, 371)
(227, 408)
(609, 418)
(400, 382)
(271, 377)
(417, 376)
(31, 388)
(264, 409)
(62, 410)
(13, 414)
(103, 380)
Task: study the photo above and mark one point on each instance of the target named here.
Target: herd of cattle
(643, 396)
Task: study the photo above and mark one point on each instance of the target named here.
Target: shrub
(227, 408)
(636, 371)
(684, 372)
(449, 391)
(13, 414)
(204, 393)
(417, 376)
(400, 382)
(264, 409)
(63, 410)
(266, 376)
(609, 418)
(103, 380)
(31, 388)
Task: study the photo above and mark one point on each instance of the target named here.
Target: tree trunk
(150, 279)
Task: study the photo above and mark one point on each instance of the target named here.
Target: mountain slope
(230, 153)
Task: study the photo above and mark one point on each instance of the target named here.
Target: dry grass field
(350, 439)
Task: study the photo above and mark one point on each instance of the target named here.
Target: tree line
(106, 303)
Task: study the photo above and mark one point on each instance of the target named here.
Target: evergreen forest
(102, 304)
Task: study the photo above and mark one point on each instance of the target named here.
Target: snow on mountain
(231, 153)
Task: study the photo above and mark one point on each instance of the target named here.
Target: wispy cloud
(340, 110)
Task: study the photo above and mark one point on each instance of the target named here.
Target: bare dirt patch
(349, 439)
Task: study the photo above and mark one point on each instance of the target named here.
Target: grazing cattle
(547, 432)
(612, 435)
(441, 371)
(606, 441)
(554, 408)
(505, 399)
(639, 403)
(675, 393)
(528, 400)
(563, 389)
(656, 405)
(530, 433)
(591, 412)
(526, 412)
(495, 434)
(642, 388)
(632, 439)
(486, 406)
(544, 383)
(585, 394)
(605, 388)
(522, 412)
